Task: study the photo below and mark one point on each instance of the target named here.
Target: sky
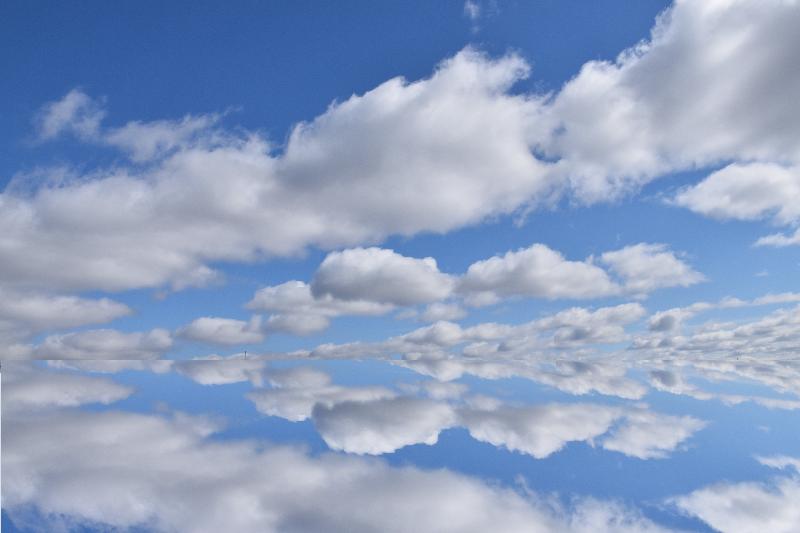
(484, 248)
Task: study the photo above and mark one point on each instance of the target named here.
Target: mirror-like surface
(399, 445)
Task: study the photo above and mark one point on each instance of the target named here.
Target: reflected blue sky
(724, 447)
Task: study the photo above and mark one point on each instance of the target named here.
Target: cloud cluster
(429, 155)
(67, 468)
(375, 420)
(374, 281)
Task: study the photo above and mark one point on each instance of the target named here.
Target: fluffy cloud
(296, 392)
(215, 371)
(176, 479)
(382, 276)
(540, 430)
(439, 311)
(28, 388)
(746, 192)
(104, 344)
(649, 435)
(224, 331)
(377, 421)
(646, 267)
(746, 507)
(374, 281)
(537, 271)
(341, 180)
(39, 312)
(297, 310)
(75, 112)
(749, 191)
(712, 84)
(382, 426)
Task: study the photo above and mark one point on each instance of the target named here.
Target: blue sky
(549, 201)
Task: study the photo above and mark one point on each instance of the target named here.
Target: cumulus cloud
(174, 478)
(104, 344)
(24, 314)
(382, 276)
(383, 425)
(713, 84)
(224, 330)
(648, 435)
(216, 371)
(539, 430)
(439, 311)
(27, 388)
(746, 507)
(537, 271)
(749, 191)
(340, 181)
(373, 281)
(746, 192)
(645, 267)
(296, 392)
(377, 421)
(297, 310)
(40, 312)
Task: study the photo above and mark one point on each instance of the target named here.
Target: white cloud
(539, 430)
(26, 388)
(75, 112)
(145, 141)
(382, 276)
(382, 425)
(779, 240)
(780, 462)
(648, 435)
(438, 311)
(165, 474)
(40, 312)
(104, 344)
(341, 181)
(712, 84)
(298, 311)
(24, 314)
(746, 507)
(646, 267)
(746, 192)
(297, 391)
(749, 191)
(224, 331)
(472, 10)
(537, 271)
(215, 371)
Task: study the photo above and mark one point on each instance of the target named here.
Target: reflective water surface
(425, 443)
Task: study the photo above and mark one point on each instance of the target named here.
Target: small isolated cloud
(472, 10)
(75, 113)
